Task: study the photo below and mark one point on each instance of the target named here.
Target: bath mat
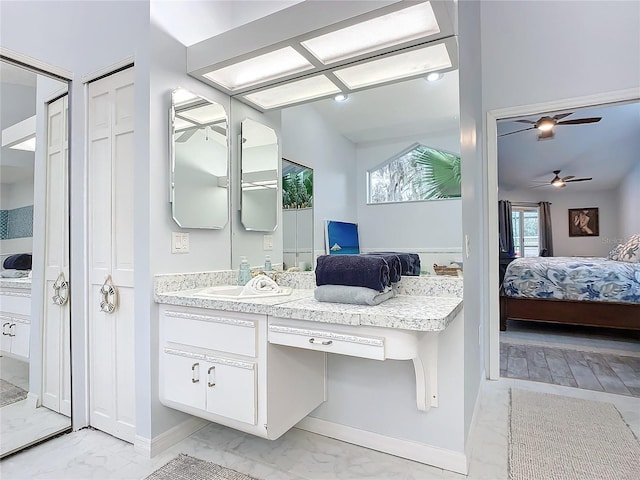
(184, 467)
(9, 393)
(556, 437)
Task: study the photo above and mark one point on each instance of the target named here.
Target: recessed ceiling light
(394, 28)
(269, 66)
(294, 92)
(28, 145)
(434, 76)
(395, 67)
(341, 97)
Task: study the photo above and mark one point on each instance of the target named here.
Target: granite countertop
(407, 312)
(22, 283)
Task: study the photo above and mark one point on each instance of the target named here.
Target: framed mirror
(259, 160)
(199, 161)
(297, 215)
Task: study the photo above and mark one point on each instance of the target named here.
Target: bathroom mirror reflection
(297, 216)
(35, 380)
(259, 160)
(199, 161)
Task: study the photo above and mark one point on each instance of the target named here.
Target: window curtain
(546, 237)
(505, 226)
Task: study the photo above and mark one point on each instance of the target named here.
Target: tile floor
(603, 372)
(297, 454)
(21, 423)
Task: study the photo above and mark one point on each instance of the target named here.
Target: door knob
(60, 290)
(109, 293)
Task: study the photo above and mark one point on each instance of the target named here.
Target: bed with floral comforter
(573, 278)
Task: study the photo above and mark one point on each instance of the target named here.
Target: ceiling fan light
(557, 183)
(546, 125)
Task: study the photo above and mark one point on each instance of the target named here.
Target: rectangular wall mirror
(199, 161)
(297, 215)
(259, 170)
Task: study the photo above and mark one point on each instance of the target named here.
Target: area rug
(9, 393)
(556, 437)
(184, 467)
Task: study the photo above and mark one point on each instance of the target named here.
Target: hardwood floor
(603, 372)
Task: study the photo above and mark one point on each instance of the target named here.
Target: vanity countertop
(22, 283)
(407, 312)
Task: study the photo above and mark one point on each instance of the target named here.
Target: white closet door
(56, 320)
(111, 335)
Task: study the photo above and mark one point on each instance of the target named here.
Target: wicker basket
(442, 270)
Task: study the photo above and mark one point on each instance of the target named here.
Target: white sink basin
(236, 292)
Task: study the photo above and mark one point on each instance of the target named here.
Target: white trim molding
(491, 252)
(156, 445)
(423, 453)
(32, 62)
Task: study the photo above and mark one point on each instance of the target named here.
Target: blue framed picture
(341, 238)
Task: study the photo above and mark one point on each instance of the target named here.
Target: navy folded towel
(20, 261)
(410, 262)
(395, 266)
(369, 271)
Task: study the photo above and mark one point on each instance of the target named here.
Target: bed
(572, 290)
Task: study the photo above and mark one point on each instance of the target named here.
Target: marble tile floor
(22, 424)
(297, 455)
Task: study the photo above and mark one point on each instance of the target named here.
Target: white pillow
(631, 250)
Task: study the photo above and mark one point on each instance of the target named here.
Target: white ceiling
(403, 109)
(606, 150)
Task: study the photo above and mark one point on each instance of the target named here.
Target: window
(526, 228)
(417, 173)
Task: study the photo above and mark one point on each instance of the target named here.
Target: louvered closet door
(111, 334)
(56, 393)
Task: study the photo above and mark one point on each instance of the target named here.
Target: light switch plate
(268, 242)
(179, 242)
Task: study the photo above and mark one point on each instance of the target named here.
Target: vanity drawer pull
(324, 342)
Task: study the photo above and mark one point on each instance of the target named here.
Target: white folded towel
(260, 284)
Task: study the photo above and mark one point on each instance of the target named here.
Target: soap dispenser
(244, 274)
(267, 263)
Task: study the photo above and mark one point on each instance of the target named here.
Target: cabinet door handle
(210, 383)
(60, 290)
(195, 375)
(4, 328)
(12, 326)
(109, 292)
(323, 342)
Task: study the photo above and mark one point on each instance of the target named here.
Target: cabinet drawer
(213, 332)
(15, 303)
(327, 341)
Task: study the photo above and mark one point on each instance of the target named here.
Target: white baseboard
(468, 442)
(33, 399)
(152, 447)
(428, 454)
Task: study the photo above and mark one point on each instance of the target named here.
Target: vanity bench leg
(426, 369)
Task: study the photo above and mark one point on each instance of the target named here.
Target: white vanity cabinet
(219, 366)
(15, 314)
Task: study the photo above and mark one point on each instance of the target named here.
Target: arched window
(417, 173)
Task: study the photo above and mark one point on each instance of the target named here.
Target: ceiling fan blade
(545, 184)
(579, 180)
(562, 115)
(526, 121)
(569, 177)
(517, 131)
(578, 121)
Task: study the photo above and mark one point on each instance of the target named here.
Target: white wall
(561, 201)
(473, 210)
(308, 140)
(629, 200)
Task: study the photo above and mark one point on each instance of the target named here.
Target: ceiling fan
(546, 124)
(561, 182)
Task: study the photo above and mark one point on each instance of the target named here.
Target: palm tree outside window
(417, 173)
